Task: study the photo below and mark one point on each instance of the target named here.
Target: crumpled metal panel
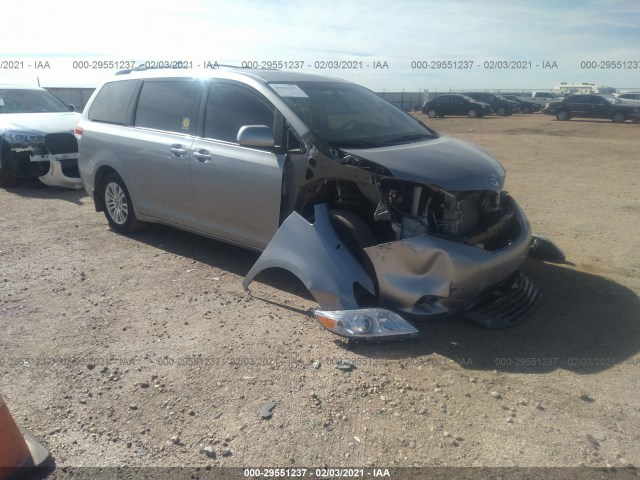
(315, 254)
(451, 164)
(509, 304)
(409, 269)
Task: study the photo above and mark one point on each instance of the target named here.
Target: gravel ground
(144, 350)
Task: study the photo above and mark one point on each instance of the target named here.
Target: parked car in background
(627, 96)
(36, 138)
(593, 106)
(378, 215)
(526, 106)
(499, 104)
(540, 97)
(455, 104)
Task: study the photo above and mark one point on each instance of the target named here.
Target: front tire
(501, 111)
(562, 115)
(431, 113)
(118, 207)
(352, 230)
(7, 176)
(618, 117)
(356, 235)
(525, 109)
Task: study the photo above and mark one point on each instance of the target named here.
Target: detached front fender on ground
(314, 253)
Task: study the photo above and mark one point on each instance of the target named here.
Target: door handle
(178, 150)
(202, 155)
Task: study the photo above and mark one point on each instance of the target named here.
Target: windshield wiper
(410, 137)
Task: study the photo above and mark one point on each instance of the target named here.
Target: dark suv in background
(455, 104)
(593, 106)
(499, 104)
(526, 106)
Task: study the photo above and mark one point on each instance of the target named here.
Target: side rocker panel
(315, 254)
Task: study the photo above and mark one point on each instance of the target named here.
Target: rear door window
(230, 107)
(112, 102)
(169, 105)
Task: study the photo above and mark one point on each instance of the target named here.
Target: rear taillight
(78, 130)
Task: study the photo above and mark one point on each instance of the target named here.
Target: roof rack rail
(129, 70)
(141, 68)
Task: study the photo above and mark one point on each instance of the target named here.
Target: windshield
(345, 114)
(29, 101)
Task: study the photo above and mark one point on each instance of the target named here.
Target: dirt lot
(145, 350)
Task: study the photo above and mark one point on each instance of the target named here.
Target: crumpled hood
(42, 123)
(451, 164)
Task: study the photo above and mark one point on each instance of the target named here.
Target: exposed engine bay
(479, 218)
(399, 209)
(436, 237)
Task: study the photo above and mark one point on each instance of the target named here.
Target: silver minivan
(381, 218)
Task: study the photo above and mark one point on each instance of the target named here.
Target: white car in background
(36, 138)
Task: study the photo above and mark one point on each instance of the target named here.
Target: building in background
(564, 88)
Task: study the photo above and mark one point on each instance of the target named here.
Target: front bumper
(63, 170)
(426, 275)
(506, 304)
(422, 276)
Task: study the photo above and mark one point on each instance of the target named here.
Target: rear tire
(118, 207)
(525, 109)
(472, 113)
(562, 115)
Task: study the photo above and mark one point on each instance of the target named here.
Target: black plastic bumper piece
(507, 304)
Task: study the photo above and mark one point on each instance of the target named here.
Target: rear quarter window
(112, 102)
(169, 105)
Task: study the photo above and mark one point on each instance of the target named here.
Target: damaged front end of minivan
(429, 231)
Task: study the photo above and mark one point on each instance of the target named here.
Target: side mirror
(72, 107)
(256, 136)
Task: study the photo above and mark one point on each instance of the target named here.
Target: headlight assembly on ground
(366, 324)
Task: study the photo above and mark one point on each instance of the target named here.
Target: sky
(569, 37)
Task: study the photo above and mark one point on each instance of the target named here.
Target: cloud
(398, 32)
